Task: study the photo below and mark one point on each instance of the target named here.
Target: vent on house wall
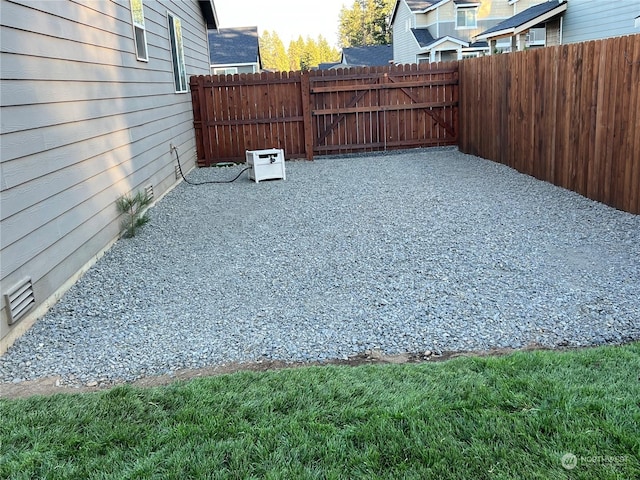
(20, 299)
(149, 191)
(177, 172)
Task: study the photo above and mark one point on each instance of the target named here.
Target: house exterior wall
(593, 19)
(405, 46)
(83, 123)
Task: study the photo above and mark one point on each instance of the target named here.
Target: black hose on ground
(175, 149)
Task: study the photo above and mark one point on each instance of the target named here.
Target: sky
(289, 18)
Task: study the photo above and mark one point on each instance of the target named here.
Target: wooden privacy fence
(569, 115)
(325, 111)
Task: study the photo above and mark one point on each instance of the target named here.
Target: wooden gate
(384, 108)
(325, 111)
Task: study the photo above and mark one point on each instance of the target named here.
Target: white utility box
(266, 164)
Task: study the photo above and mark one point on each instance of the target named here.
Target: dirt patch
(53, 385)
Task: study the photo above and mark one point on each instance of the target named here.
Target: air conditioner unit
(266, 164)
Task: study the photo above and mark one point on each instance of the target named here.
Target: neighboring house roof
(328, 66)
(416, 6)
(231, 46)
(422, 36)
(480, 44)
(526, 19)
(426, 40)
(369, 56)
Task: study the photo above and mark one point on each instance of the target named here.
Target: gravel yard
(406, 252)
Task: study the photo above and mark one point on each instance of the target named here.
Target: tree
(301, 54)
(295, 52)
(365, 23)
(309, 53)
(272, 52)
(327, 52)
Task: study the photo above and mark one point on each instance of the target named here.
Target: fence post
(197, 117)
(204, 119)
(305, 90)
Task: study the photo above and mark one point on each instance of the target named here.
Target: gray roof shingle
(369, 56)
(228, 46)
(422, 36)
(419, 5)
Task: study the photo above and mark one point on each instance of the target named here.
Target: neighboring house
(444, 30)
(516, 30)
(234, 50)
(93, 94)
(567, 21)
(368, 56)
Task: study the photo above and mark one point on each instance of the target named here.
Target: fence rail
(324, 112)
(569, 115)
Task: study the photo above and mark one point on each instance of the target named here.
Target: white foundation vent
(20, 299)
(149, 191)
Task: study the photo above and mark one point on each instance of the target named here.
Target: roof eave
(209, 13)
(524, 26)
(442, 40)
(541, 18)
(434, 6)
(500, 33)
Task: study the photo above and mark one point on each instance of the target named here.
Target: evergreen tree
(272, 52)
(301, 54)
(295, 53)
(350, 29)
(327, 53)
(365, 23)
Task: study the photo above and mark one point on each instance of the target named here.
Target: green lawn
(514, 416)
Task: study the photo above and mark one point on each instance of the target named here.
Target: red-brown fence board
(569, 115)
(324, 112)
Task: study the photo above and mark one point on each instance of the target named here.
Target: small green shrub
(131, 207)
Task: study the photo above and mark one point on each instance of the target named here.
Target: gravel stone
(426, 250)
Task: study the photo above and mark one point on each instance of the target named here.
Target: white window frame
(174, 24)
(466, 10)
(139, 31)
(225, 70)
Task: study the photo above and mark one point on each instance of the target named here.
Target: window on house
(225, 71)
(466, 18)
(139, 32)
(448, 55)
(177, 53)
